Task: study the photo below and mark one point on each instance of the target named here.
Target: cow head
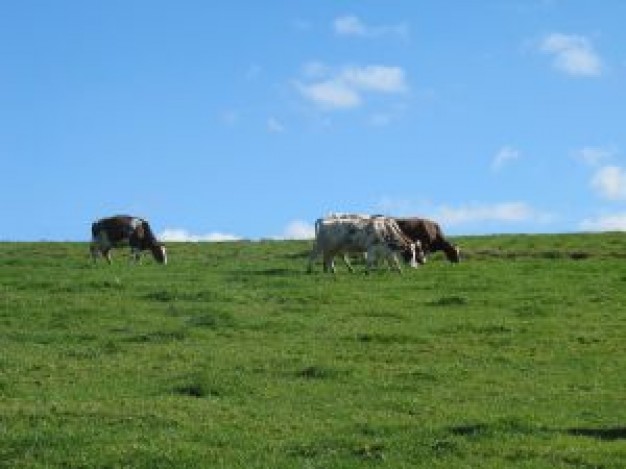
(453, 253)
(159, 253)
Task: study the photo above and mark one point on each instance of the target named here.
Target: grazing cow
(377, 236)
(124, 230)
(431, 236)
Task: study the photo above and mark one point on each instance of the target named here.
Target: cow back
(344, 234)
(424, 230)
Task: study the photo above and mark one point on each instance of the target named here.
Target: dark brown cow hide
(125, 230)
(431, 236)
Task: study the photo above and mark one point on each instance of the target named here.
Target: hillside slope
(232, 356)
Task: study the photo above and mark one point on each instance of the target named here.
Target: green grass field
(232, 356)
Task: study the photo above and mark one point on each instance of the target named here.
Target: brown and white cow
(378, 237)
(125, 230)
(431, 236)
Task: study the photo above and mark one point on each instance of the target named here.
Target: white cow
(377, 236)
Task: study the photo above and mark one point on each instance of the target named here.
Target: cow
(431, 236)
(376, 236)
(125, 230)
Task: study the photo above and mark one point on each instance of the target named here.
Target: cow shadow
(478, 430)
(267, 272)
(303, 254)
(602, 434)
(274, 271)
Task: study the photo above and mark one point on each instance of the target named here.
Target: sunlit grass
(233, 356)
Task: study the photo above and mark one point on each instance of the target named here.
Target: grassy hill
(232, 356)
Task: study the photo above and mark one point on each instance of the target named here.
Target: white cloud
(181, 235)
(400, 206)
(614, 222)
(504, 156)
(315, 70)
(330, 95)
(350, 25)
(502, 212)
(593, 156)
(229, 117)
(347, 87)
(253, 72)
(274, 125)
(610, 182)
(505, 212)
(572, 54)
(303, 25)
(298, 229)
(380, 119)
(375, 78)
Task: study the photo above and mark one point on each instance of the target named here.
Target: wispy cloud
(509, 212)
(613, 222)
(349, 26)
(504, 156)
(274, 125)
(298, 229)
(347, 87)
(353, 26)
(609, 182)
(182, 235)
(331, 95)
(378, 78)
(229, 117)
(465, 214)
(253, 72)
(572, 54)
(380, 119)
(594, 156)
(301, 24)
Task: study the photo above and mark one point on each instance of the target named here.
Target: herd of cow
(374, 236)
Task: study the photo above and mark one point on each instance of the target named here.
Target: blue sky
(240, 119)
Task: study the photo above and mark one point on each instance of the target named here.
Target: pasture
(232, 356)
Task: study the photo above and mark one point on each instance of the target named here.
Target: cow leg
(390, 257)
(329, 263)
(371, 258)
(314, 253)
(413, 260)
(346, 260)
(101, 246)
(94, 250)
(97, 245)
(375, 259)
(135, 255)
(393, 261)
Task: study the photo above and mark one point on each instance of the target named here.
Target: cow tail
(95, 230)
(318, 224)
